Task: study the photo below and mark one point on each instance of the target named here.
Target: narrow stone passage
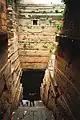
(37, 112)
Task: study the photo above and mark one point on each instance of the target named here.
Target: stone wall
(71, 27)
(10, 71)
(36, 41)
(13, 56)
(34, 47)
(67, 74)
(51, 93)
(60, 90)
(67, 68)
(3, 21)
(3, 34)
(33, 43)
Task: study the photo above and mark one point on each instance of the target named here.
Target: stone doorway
(31, 81)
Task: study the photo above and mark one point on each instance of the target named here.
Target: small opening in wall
(34, 22)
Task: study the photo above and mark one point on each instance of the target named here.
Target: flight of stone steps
(37, 112)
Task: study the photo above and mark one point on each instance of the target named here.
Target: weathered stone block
(33, 59)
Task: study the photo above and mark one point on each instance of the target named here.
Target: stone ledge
(34, 65)
(34, 59)
(33, 53)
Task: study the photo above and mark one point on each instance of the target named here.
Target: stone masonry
(25, 46)
(51, 95)
(37, 27)
(10, 72)
(60, 90)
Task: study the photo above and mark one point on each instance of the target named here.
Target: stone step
(37, 112)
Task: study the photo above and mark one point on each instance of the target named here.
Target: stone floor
(37, 112)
